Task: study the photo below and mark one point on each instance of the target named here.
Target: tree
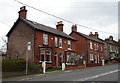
(3, 48)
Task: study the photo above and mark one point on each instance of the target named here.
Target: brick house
(88, 48)
(112, 49)
(45, 43)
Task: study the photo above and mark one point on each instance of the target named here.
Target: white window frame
(110, 48)
(69, 44)
(91, 45)
(91, 57)
(41, 54)
(49, 55)
(101, 48)
(95, 45)
(45, 39)
(60, 42)
(56, 41)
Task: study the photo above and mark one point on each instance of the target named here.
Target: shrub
(34, 68)
(50, 67)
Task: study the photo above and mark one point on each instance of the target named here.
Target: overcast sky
(102, 15)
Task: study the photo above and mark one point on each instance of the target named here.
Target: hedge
(19, 65)
(13, 65)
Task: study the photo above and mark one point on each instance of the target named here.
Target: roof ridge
(52, 30)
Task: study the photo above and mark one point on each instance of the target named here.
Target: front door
(55, 60)
(61, 59)
(95, 58)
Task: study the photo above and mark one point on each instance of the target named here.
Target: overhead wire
(62, 18)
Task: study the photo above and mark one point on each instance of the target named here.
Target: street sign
(29, 45)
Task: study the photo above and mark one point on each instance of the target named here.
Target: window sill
(61, 47)
(70, 63)
(45, 61)
(69, 49)
(92, 59)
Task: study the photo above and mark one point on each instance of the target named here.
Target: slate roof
(44, 28)
(88, 37)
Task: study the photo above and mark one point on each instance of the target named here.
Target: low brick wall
(74, 67)
(93, 65)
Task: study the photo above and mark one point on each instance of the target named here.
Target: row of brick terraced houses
(53, 45)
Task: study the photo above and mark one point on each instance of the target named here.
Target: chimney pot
(91, 35)
(23, 12)
(96, 35)
(59, 26)
(74, 28)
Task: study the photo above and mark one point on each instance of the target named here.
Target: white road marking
(96, 76)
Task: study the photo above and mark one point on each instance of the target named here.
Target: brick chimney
(91, 35)
(23, 12)
(110, 38)
(59, 26)
(96, 35)
(74, 28)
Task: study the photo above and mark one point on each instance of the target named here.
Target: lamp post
(28, 49)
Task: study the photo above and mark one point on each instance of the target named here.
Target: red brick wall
(80, 45)
(83, 45)
(51, 41)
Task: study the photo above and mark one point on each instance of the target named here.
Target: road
(106, 73)
(101, 73)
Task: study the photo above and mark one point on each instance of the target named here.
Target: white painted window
(45, 39)
(101, 48)
(42, 55)
(56, 42)
(91, 45)
(60, 42)
(48, 53)
(91, 57)
(95, 45)
(69, 44)
(110, 48)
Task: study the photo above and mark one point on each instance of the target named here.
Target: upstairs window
(101, 48)
(45, 39)
(95, 45)
(69, 44)
(60, 42)
(91, 45)
(56, 42)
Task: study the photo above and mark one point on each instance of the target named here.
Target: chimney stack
(74, 28)
(96, 35)
(59, 26)
(110, 38)
(23, 12)
(91, 35)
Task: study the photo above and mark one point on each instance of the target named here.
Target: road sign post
(28, 49)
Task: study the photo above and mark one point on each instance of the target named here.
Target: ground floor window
(45, 54)
(42, 55)
(70, 59)
(91, 57)
(48, 53)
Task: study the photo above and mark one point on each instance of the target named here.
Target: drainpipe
(86, 52)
